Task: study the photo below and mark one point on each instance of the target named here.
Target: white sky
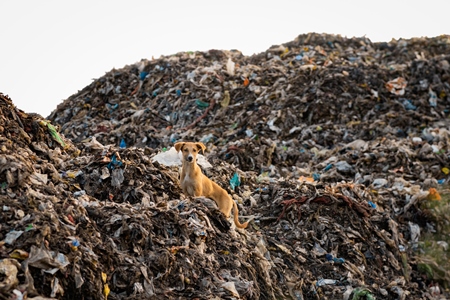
(51, 49)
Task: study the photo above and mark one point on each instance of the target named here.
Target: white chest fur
(188, 185)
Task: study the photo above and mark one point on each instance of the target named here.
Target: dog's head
(189, 150)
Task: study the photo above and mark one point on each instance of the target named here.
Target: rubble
(338, 148)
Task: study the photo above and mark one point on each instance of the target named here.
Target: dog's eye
(194, 150)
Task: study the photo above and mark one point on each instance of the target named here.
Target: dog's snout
(189, 158)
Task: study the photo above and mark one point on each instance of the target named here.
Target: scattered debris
(317, 140)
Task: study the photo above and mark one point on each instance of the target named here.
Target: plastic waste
(397, 86)
(12, 236)
(173, 158)
(48, 261)
(337, 260)
(322, 282)
(361, 293)
(318, 250)
(433, 98)
(201, 104)
(230, 67)
(117, 177)
(329, 166)
(143, 75)
(343, 167)
(207, 138)
(293, 119)
(415, 233)
(74, 244)
(379, 183)
(407, 103)
(226, 99)
(54, 133)
(316, 176)
(115, 162)
(235, 181)
(122, 145)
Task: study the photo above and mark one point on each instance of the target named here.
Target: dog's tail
(236, 219)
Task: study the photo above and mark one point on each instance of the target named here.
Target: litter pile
(319, 87)
(333, 145)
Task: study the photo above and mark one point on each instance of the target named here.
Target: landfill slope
(318, 90)
(337, 144)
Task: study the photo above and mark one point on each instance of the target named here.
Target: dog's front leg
(198, 190)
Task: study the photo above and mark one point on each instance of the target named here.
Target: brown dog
(194, 183)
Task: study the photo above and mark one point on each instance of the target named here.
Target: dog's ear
(200, 146)
(178, 146)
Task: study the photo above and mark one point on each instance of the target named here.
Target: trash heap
(334, 146)
(323, 89)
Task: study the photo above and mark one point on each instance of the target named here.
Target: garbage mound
(103, 221)
(334, 147)
(318, 88)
